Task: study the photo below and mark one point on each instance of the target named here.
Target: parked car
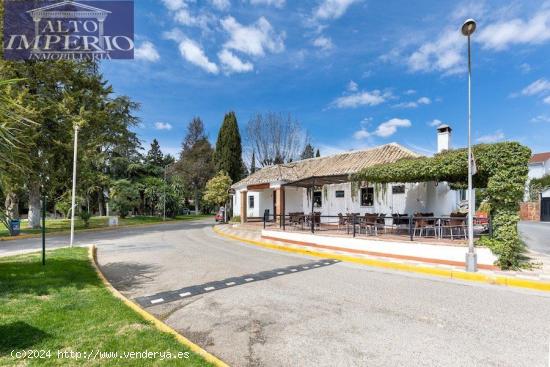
(220, 215)
(186, 211)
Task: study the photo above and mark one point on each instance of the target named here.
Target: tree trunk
(197, 210)
(34, 205)
(12, 205)
(100, 202)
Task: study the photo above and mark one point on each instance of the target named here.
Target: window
(367, 196)
(462, 194)
(251, 202)
(318, 199)
(398, 189)
(340, 194)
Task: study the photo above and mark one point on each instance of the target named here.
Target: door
(545, 210)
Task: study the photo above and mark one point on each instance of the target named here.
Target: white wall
(418, 197)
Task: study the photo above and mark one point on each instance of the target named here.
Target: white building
(539, 165)
(287, 188)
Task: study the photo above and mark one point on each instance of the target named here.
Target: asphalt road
(333, 314)
(536, 236)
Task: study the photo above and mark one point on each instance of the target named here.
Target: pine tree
(154, 155)
(318, 154)
(308, 152)
(228, 154)
(253, 163)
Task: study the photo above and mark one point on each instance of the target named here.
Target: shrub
(85, 216)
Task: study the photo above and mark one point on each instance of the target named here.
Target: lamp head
(469, 27)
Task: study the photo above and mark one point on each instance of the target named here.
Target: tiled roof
(334, 165)
(540, 157)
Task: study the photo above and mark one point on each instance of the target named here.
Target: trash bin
(15, 227)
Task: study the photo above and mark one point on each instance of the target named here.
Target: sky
(354, 73)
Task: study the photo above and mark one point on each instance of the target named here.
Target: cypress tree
(228, 154)
(253, 163)
(308, 152)
(318, 154)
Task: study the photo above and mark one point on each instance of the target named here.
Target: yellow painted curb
(420, 269)
(149, 317)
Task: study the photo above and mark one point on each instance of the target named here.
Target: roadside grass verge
(63, 225)
(64, 306)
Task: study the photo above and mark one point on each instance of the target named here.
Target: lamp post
(164, 197)
(73, 199)
(468, 28)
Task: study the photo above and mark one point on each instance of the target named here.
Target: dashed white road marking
(280, 272)
(230, 283)
(305, 267)
(185, 294)
(316, 265)
(293, 270)
(249, 279)
(155, 301)
(209, 288)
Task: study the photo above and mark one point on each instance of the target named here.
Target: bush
(85, 216)
(236, 219)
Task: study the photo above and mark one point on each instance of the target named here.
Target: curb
(98, 229)
(149, 317)
(425, 270)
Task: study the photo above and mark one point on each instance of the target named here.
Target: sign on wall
(68, 30)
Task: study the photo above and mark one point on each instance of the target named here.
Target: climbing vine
(501, 169)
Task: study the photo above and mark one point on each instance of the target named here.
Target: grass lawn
(65, 307)
(60, 225)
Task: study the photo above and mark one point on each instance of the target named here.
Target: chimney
(443, 138)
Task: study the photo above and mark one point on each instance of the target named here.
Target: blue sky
(355, 73)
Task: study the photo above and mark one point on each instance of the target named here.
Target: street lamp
(468, 28)
(73, 199)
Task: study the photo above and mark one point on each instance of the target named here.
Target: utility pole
(164, 196)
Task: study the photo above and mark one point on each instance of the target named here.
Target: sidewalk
(538, 278)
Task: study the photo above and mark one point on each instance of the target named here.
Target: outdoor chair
(342, 221)
(423, 225)
(369, 223)
(456, 226)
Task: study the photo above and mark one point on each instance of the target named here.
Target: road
(536, 236)
(253, 310)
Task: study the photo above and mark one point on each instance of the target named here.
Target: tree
(318, 154)
(217, 189)
(196, 162)
(124, 197)
(154, 155)
(228, 153)
(308, 152)
(276, 138)
(253, 163)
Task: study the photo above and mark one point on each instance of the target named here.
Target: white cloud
(491, 138)
(546, 100)
(332, 9)
(221, 4)
(174, 4)
(409, 92)
(254, 39)
(525, 68)
(163, 126)
(352, 86)
(384, 130)
(232, 63)
(502, 34)
(324, 43)
(275, 3)
(541, 118)
(444, 54)
(414, 104)
(147, 52)
(364, 98)
(538, 86)
(191, 51)
(436, 123)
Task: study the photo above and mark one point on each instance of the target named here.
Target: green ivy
(538, 185)
(501, 168)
